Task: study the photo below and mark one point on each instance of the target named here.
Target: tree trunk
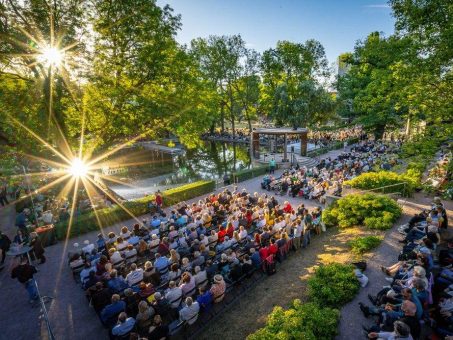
(222, 116)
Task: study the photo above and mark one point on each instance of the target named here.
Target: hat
(76, 245)
(437, 200)
(218, 278)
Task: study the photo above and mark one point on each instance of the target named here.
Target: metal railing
(380, 190)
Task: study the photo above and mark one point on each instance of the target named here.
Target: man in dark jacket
(5, 242)
(24, 274)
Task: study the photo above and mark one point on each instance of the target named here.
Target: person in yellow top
(270, 218)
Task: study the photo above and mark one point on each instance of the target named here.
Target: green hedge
(333, 285)
(403, 183)
(308, 321)
(369, 210)
(108, 216)
(243, 175)
(361, 245)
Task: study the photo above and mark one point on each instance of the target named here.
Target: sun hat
(218, 278)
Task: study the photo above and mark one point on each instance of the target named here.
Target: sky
(337, 24)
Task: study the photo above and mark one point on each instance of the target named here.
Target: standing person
(24, 273)
(272, 165)
(159, 201)
(3, 194)
(308, 222)
(36, 245)
(5, 242)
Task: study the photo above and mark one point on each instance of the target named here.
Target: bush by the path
(361, 245)
(87, 222)
(245, 174)
(333, 285)
(308, 321)
(370, 210)
(403, 183)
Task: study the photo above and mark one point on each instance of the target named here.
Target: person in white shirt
(200, 276)
(88, 247)
(243, 233)
(135, 276)
(190, 312)
(154, 243)
(173, 294)
(115, 256)
(47, 217)
(297, 233)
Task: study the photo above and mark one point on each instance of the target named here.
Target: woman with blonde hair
(174, 256)
(144, 318)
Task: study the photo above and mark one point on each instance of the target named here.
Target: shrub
(87, 222)
(243, 175)
(361, 245)
(404, 183)
(308, 321)
(333, 285)
(370, 210)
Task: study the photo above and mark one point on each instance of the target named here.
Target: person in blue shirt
(155, 222)
(100, 242)
(116, 284)
(124, 325)
(161, 263)
(204, 299)
(117, 306)
(255, 257)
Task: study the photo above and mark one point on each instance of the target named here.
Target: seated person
(116, 283)
(135, 275)
(158, 330)
(124, 325)
(218, 288)
(112, 310)
(189, 312)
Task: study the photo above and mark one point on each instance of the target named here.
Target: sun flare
(78, 168)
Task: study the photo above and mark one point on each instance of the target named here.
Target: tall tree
(291, 92)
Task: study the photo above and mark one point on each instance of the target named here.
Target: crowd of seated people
(165, 273)
(420, 290)
(328, 176)
(319, 138)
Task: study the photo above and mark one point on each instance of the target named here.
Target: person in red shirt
(221, 234)
(273, 248)
(264, 253)
(287, 208)
(230, 230)
(158, 200)
(248, 217)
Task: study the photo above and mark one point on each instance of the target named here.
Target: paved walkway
(70, 315)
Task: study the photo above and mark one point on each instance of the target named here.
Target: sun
(51, 56)
(78, 168)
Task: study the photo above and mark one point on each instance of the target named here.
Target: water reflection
(159, 171)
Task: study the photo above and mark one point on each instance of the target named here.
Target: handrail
(380, 188)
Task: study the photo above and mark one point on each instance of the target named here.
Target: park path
(69, 312)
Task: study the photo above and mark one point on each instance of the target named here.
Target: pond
(146, 171)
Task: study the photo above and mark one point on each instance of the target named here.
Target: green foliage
(403, 183)
(369, 210)
(361, 245)
(333, 285)
(309, 321)
(291, 93)
(243, 175)
(108, 216)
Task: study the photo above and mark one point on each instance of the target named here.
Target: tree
(370, 92)
(291, 93)
(229, 68)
